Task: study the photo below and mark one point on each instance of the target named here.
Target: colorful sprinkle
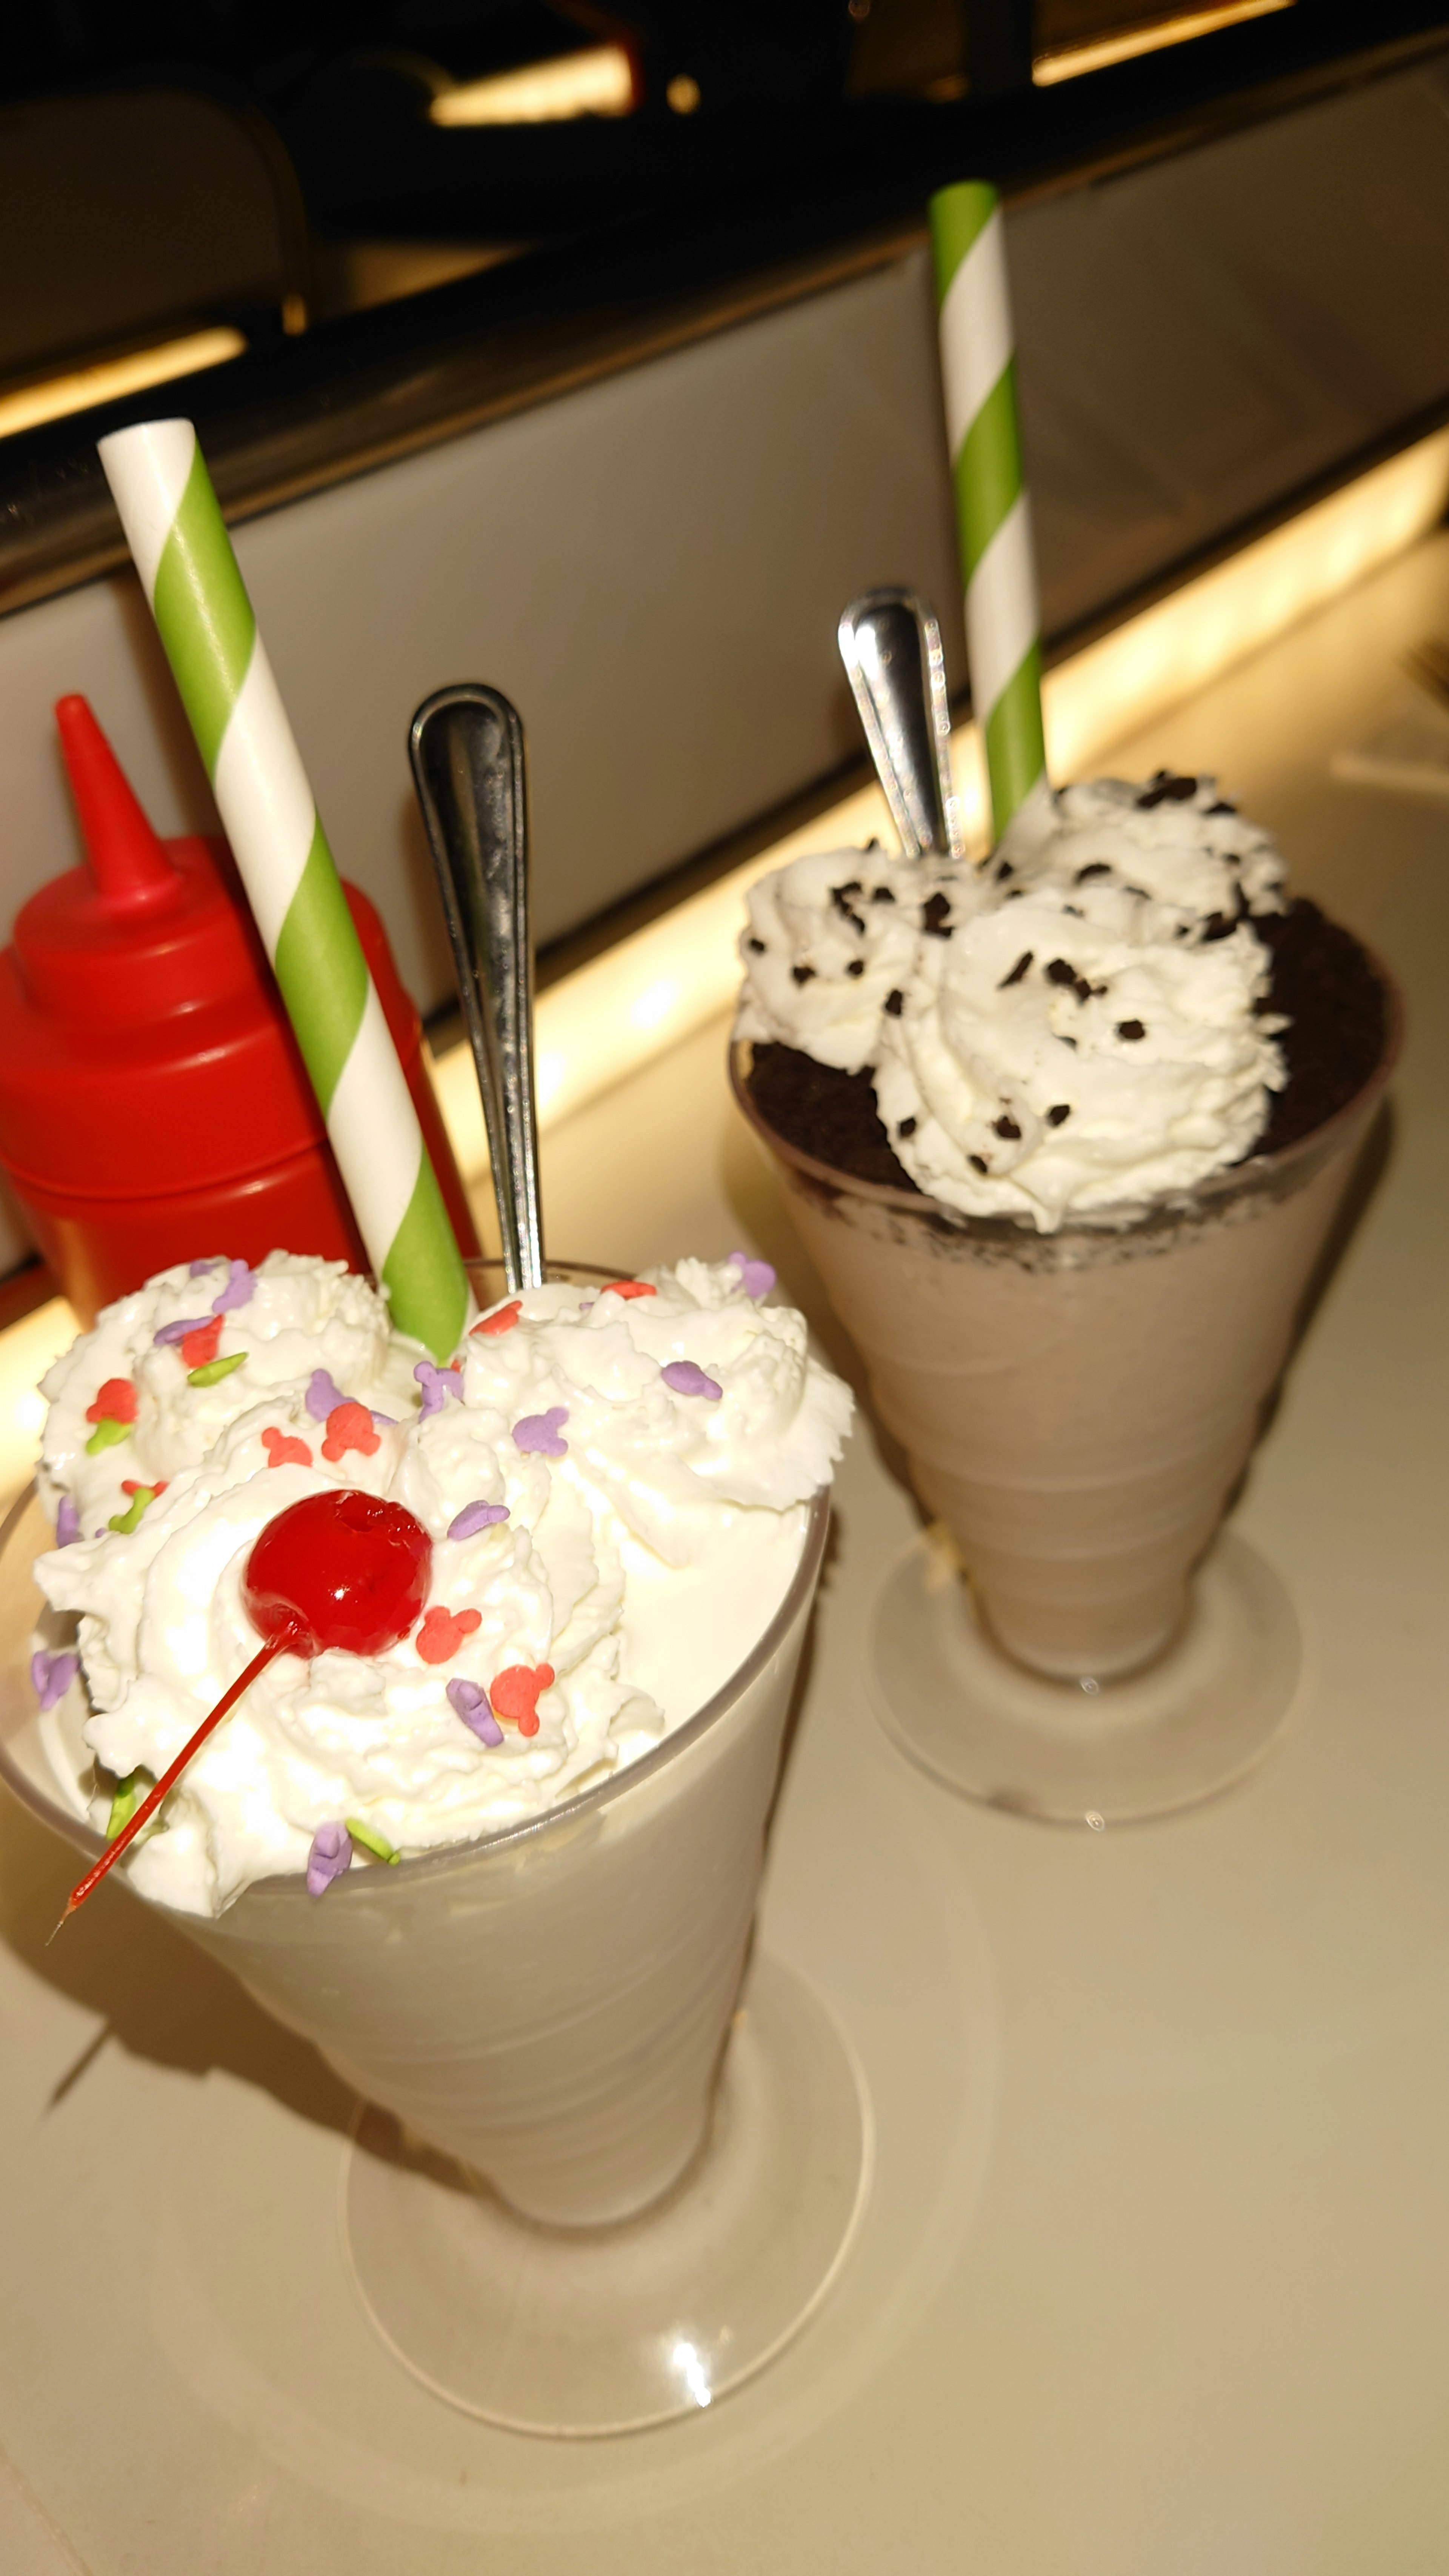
(124, 1522)
(503, 1320)
(330, 1855)
(515, 1695)
(757, 1278)
(384, 1421)
(199, 1269)
(53, 1675)
(437, 1385)
(200, 1347)
(323, 1395)
(470, 1701)
(67, 1523)
(215, 1370)
(284, 1451)
(475, 1517)
(371, 1840)
(126, 1798)
(539, 1433)
(443, 1632)
(105, 1436)
(349, 1426)
(239, 1290)
(687, 1379)
(170, 1334)
(628, 1288)
(115, 1402)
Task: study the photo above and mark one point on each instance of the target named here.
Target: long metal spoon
(466, 745)
(891, 647)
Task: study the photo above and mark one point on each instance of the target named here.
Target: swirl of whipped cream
(616, 1486)
(1077, 1025)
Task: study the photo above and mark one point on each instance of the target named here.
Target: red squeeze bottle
(154, 1106)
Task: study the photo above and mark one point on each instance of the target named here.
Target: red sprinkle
(198, 1349)
(443, 1632)
(137, 1485)
(502, 1322)
(515, 1694)
(116, 1402)
(349, 1426)
(283, 1451)
(628, 1288)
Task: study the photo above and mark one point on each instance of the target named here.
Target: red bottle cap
(143, 1044)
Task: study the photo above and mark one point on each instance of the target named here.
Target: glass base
(569, 2331)
(1085, 1752)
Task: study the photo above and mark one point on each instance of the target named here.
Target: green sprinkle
(126, 1521)
(216, 1370)
(126, 1798)
(371, 1840)
(105, 1436)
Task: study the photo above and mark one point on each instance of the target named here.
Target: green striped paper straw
(1003, 619)
(192, 579)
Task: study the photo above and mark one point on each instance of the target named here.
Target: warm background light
(112, 377)
(1073, 60)
(597, 83)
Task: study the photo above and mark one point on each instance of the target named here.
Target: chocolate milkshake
(1065, 1136)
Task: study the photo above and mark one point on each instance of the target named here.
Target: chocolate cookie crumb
(1058, 1116)
(1131, 1030)
(802, 974)
(1021, 968)
(895, 1003)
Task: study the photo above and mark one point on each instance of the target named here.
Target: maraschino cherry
(335, 1571)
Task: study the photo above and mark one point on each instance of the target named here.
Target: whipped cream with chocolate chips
(1080, 1023)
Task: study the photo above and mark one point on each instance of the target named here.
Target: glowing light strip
(600, 1024)
(1076, 59)
(112, 377)
(599, 82)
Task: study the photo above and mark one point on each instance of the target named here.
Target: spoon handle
(891, 647)
(466, 745)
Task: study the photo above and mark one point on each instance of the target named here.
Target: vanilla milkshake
(502, 1874)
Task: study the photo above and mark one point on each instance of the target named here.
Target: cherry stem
(275, 1646)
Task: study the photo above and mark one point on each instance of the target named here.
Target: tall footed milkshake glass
(606, 2162)
(1073, 1637)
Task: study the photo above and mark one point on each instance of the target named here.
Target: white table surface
(1155, 2277)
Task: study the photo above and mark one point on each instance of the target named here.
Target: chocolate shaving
(1021, 968)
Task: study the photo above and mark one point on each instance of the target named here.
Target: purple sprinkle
(437, 1385)
(687, 1379)
(52, 1676)
(199, 1269)
(475, 1517)
(756, 1277)
(384, 1422)
(178, 1331)
(323, 1395)
(470, 1701)
(330, 1855)
(67, 1523)
(239, 1290)
(539, 1432)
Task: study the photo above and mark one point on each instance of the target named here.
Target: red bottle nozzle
(128, 860)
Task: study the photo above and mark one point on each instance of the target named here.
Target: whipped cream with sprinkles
(616, 1483)
(1080, 1023)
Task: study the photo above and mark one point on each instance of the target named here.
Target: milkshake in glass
(1065, 1136)
(504, 1875)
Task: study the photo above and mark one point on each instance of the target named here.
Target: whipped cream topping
(616, 1484)
(1078, 1024)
